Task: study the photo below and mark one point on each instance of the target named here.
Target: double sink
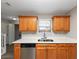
(45, 40)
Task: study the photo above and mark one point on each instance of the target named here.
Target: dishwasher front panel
(28, 51)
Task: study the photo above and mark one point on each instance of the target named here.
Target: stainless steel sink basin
(45, 40)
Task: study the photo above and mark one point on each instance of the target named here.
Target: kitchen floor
(9, 54)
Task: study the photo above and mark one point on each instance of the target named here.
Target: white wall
(73, 23)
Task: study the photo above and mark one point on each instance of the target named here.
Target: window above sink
(44, 25)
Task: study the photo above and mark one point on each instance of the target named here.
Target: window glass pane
(44, 25)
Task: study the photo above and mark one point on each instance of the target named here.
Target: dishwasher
(27, 51)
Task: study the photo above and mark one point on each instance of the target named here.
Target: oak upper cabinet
(23, 23)
(57, 24)
(61, 23)
(67, 24)
(27, 23)
(32, 24)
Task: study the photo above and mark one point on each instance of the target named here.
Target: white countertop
(56, 40)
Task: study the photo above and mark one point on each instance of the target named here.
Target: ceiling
(35, 7)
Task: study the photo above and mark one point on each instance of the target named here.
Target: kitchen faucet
(44, 35)
(44, 38)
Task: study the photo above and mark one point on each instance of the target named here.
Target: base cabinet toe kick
(45, 51)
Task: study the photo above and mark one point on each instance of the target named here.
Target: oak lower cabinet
(17, 50)
(62, 53)
(72, 52)
(41, 53)
(51, 52)
(56, 51)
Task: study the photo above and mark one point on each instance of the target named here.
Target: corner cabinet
(27, 23)
(61, 24)
(56, 51)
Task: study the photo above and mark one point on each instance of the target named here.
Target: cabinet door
(67, 23)
(62, 53)
(61, 24)
(41, 53)
(17, 50)
(57, 24)
(22, 23)
(32, 24)
(51, 52)
(72, 52)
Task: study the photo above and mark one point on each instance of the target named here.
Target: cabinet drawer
(41, 48)
(71, 45)
(17, 45)
(41, 45)
(66, 45)
(57, 45)
(51, 45)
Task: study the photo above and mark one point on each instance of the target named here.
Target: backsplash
(48, 34)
